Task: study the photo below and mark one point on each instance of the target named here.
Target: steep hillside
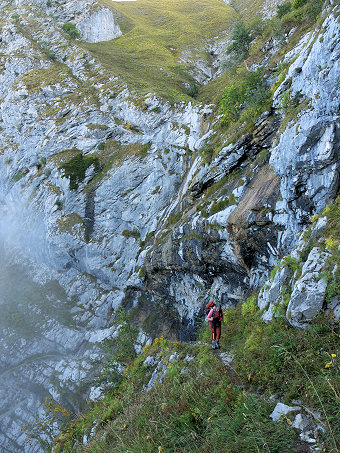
(272, 388)
(153, 155)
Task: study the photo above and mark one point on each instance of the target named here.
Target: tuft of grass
(19, 175)
(222, 204)
(131, 234)
(92, 126)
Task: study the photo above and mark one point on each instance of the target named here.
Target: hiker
(215, 318)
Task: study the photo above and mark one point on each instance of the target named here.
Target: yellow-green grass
(147, 55)
(37, 78)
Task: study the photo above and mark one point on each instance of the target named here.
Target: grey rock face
(72, 240)
(270, 297)
(99, 26)
(307, 155)
(305, 292)
(308, 291)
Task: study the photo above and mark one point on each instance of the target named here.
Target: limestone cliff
(106, 199)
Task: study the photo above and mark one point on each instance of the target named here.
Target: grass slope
(156, 33)
(202, 406)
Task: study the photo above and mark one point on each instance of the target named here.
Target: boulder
(282, 409)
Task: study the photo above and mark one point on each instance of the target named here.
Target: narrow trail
(227, 358)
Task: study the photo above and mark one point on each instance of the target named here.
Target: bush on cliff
(71, 30)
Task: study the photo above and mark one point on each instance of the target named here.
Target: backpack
(217, 312)
(217, 315)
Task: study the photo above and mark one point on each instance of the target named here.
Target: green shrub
(59, 204)
(256, 27)
(313, 9)
(298, 3)
(250, 306)
(192, 91)
(71, 29)
(50, 54)
(241, 39)
(283, 9)
(247, 97)
(333, 289)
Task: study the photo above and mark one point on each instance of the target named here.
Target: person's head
(211, 304)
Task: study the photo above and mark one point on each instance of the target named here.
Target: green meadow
(157, 36)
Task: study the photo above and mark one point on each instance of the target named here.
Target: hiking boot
(213, 345)
(217, 344)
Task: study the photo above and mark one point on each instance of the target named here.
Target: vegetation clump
(75, 168)
(131, 234)
(332, 244)
(245, 98)
(222, 204)
(192, 91)
(19, 175)
(71, 30)
(283, 9)
(241, 39)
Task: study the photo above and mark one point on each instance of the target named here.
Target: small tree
(283, 9)
(43, 428)
(241, 39)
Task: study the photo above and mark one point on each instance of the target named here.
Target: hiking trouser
(215, 329)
